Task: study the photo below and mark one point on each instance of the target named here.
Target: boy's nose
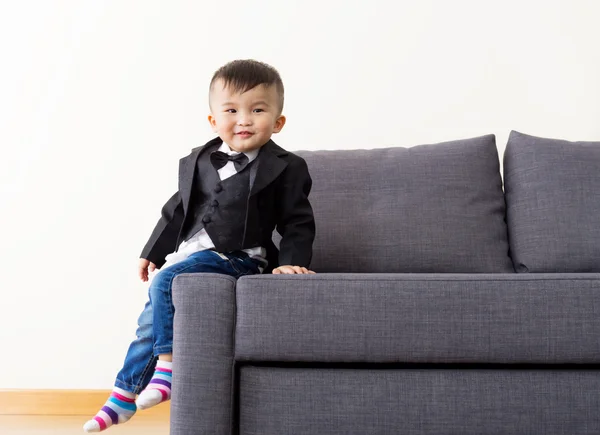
(244, 121)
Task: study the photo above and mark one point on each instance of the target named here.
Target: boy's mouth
(244, 133)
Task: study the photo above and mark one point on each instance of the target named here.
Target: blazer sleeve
(296, 223)
(164, 238)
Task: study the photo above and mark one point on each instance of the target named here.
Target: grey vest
(221, 207)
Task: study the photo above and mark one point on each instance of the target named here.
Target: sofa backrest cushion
(428, 208)
(553, 204)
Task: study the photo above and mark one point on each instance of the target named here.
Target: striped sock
(119, 408)
(159, 388)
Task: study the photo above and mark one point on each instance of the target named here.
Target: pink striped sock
(159, 388)
(119, 408)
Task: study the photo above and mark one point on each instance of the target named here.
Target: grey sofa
(443, 303)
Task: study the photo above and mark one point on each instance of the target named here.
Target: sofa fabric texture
(426, 209)
(419, 318)
(553, 204)
(310, 401)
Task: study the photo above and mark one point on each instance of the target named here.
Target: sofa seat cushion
(419, 318)
(553, 204)
(428, 208)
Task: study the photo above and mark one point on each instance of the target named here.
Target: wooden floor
(64, 412)
(69, 425)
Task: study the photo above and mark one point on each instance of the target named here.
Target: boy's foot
(159, 388)
(119, 408)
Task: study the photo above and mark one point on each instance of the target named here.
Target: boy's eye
(231, 111)
(259, 110)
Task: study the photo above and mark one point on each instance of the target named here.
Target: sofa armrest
(419, 318)
(203, 354)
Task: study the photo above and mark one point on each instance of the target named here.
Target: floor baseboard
(63, 402)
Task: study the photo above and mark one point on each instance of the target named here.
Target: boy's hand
(143, 267)
(290, 270)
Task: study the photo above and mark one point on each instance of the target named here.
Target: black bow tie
(220, 159)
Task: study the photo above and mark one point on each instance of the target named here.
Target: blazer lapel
(187, 169)
(269, 166)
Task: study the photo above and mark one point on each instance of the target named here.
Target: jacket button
(206, 219)
(218, 188)
(215, 203)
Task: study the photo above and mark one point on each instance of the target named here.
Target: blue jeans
(155, 324)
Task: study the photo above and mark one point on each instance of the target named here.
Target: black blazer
(278, 200)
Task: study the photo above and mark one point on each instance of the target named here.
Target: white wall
(99, 100)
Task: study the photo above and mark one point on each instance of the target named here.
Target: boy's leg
(140, 359)
(235, 264)
(134, 376)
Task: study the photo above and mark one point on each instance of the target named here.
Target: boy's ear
(279, 123)
(213, 123)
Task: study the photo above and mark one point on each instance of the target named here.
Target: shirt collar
(250, 154)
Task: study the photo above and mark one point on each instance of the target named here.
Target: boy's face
(245, 121)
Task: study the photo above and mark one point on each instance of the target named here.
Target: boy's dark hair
(243, 75)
